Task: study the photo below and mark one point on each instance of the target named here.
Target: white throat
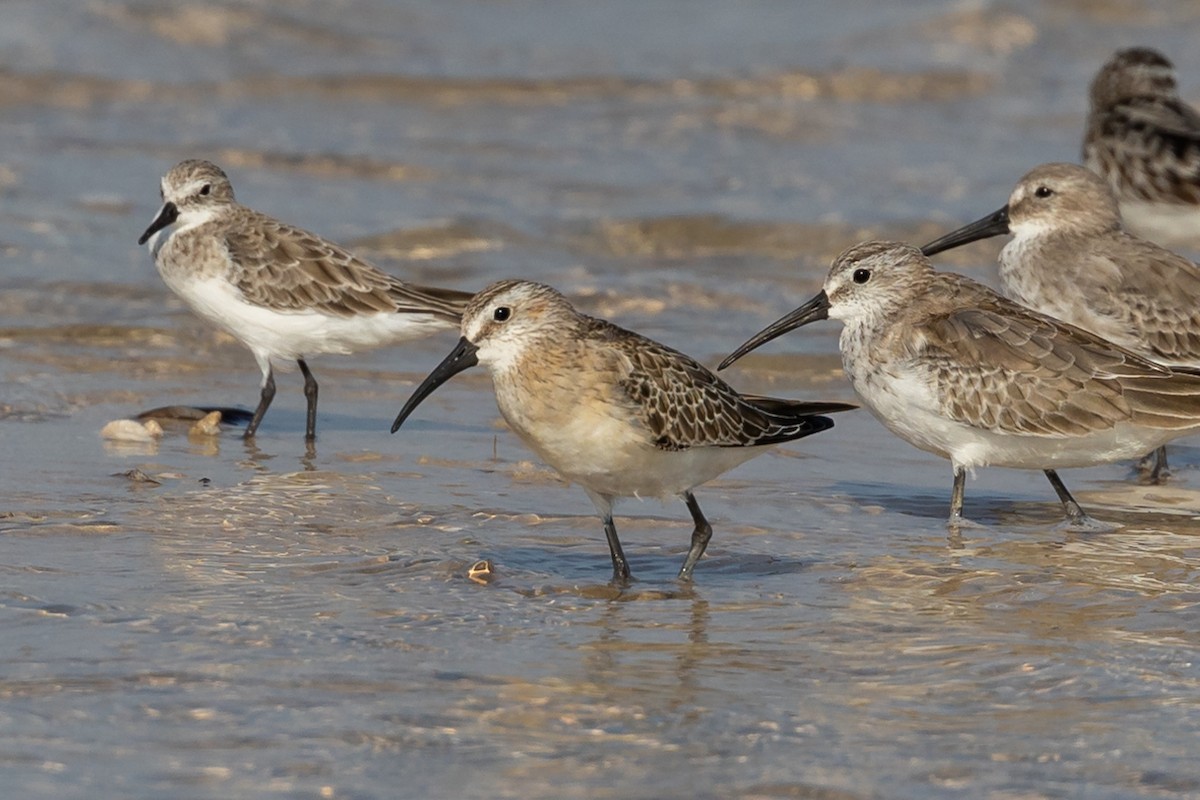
(501, 354)
(184, 222)
(1027, 231)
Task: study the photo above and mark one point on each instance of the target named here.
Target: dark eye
(862, 275)
(502, 314)
(1043, 191)
(206, 188)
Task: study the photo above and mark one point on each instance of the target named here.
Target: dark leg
(264, 400)
(956, 497)
(700, 537)
(1161, 471)
(1073, 511)
(620, 565)
(310, 394)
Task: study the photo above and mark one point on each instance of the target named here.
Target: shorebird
(285, 293)
(1071, 258)
(957, 370)
(611, 410)
(1145, 142)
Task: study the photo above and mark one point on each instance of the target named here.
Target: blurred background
(199, 617)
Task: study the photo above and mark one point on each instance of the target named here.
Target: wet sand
(200, 617)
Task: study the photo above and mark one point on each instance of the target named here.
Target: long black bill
(993, 224)
(813, 310)
(463, 356)
(166, 216)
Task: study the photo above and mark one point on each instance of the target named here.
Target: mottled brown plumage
(1070, 258)
(282, 267)
(958, 370)
(1145, 142)
(683, 404)
(287, 294)
(996, 367)
(618, 413)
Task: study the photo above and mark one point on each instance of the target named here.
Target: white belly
(600, 448)
(297, 334)
(908, 407)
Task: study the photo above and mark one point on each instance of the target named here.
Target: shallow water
(199, 617)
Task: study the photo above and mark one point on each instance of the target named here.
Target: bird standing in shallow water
(285, 293)
(1070, 258)
(957, 370)
(611, 410)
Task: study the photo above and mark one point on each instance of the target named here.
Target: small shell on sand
(128, 430)
(208, 425)
(481, 571)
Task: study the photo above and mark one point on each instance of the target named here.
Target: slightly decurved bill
(812, 311)
(166, 216)
(463, 356)
(993, 224)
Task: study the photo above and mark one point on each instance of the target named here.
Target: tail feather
(788, 420)
(449, 304)
(776, 406)
(1169, 403)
